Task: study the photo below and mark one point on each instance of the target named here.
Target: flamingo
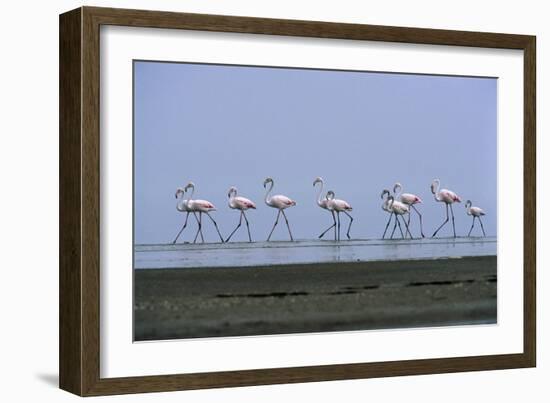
(201, 206)
(340, 206)
(279, 202)
(448, 197)
(323, 203)
(399, 210)
(410, 200)
(242, 204)
(182, 206)
(386, 207)
(476, 212)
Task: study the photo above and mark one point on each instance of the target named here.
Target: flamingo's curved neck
(435, 187)
(397, 190)
(387, 195)
(192, 192)
(319, 202)
(468, 208)
(267, 193)
(387, 203)
(180, 206)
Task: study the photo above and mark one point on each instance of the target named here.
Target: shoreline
(301, 252)
(312, 265)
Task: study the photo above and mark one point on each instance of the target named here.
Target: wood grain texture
(80, 196)
(316, 29)
(530, 203)
(70, 274)
(90, 202)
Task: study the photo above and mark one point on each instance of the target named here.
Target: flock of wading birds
(397, 205)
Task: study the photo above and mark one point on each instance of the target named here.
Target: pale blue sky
(222, 126)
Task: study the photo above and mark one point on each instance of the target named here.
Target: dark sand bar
(220, 301)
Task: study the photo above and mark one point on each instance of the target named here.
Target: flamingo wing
(341, 205)
(477, 211)
(244, 203)
(400, 208)
(282, 202)
(204, 205)
(449, 196)
(409, 198)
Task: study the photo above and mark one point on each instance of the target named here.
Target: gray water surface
(243, 254)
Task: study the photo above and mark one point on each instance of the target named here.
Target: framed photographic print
(249, 201)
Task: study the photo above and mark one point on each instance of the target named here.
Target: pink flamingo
(279, 202)
(410, 200)
(448, 197)
(386, 207)
(242, 204)
(476, 212)
(340, 206)
(323, 203)
(397, 209)
(183, 206)
(201, 206)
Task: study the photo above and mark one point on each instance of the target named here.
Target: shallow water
(243, 254)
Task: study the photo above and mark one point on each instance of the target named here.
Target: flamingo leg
(453, 216)
(338, 219)
(182, 228)
(247, 227)
(215, 225)
(473, 222)
(387, 225)
(274, 225)
(287, 225)
(350, 222)
(336, 232)
(395, 226)
(329, 228)
(236, 228)
(199, 223)
(399, 225)
(199, 230)
(407, 227)
(420, 217)
(481, 222)
(444, 222)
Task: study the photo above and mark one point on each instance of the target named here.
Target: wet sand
(280, 253)
(212, 302)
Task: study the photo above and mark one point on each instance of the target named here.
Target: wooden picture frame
(79, 201)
